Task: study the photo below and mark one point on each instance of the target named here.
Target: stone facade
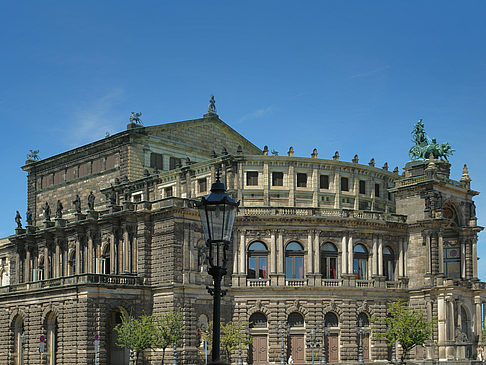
(316, 241)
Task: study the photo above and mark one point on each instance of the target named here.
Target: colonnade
(277, 240)
(78, 253)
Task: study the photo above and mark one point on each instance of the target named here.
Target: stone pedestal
(92, 214)
(31, 229)
(48, 224)
(60, 222)
(19, 231)
(127, 205)
(114, 208)
(80, 216)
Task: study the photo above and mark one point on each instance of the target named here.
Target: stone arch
(258, 308)
(17, 312)
(297, 307)
(450, 210)
(252, 241)
(328, 314)
(332, 307)
(50, 308)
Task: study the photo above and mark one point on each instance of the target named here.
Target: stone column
(477, 304)
(427, 253)
(433, 254)
(337, 189)
(291, 179)
(242, 253)
(442, 326)
(441, 253)
(315, 187)
(310, 252)
(112, 254)
(344, 256)
(89, 256)
(356, 191)
(57, 261)
(273, 253)
(317, 252)
(374, 263)
(47, 273)
(266, 184)
(475, 257)
(235, 253)
(27, 265)
(78, 256)
(400, 258)
(126, 251)
(463, 259)
(350, 254)
(405, 254)
(380, 255)
(372, 190)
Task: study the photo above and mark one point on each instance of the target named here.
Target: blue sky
(352, 76)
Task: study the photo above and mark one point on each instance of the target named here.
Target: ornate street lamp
(313, 342)
(217, 212)
(324, 351)
(361, 330)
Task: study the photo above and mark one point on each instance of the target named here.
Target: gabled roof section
(206, 134)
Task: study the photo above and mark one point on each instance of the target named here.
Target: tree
(233, 336)
(403, 325)
(135, 334)
(169, 328)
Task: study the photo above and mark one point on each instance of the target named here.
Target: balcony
(321, 212)
(332, 282)
(295, 282)
(82, 279)
(257, 282)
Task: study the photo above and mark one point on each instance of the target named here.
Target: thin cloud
(92, 121)
(370, 73)
(256, 114)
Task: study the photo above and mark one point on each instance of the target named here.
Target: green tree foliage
(403, 325)
(136, 334)
(169, 328)
(234, 336)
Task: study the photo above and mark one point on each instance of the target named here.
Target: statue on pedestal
(59, 209)
(91, 200)
(18, 220)
(28, 217)
(77, 204)
(47, 211)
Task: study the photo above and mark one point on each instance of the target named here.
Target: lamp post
(325, 333)
(313, 342)
(217, 212)
(361, 330)
(22, 342)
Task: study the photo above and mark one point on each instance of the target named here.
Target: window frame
(344, 187)
(258, 255)
(294, 256)
(250, 178)
(299, 182)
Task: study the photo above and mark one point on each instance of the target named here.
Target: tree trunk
(163, 355)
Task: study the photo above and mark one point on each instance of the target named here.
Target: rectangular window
(362, 187)
(377, 190)
(157, 161)
(97, 165)
(111, 161)
(344, 184)
(202, 185)
(390, 196)
(301, 180)
(277, 178)
(85, 169)
(174, 163)
(58, 177)
(252, 178)
(168, 192)
(324, 182)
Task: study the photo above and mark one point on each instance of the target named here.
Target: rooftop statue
(212, 105)
(135, 118)
(33, 155)
(424, 147)
(18, 220)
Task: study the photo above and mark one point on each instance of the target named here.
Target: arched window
(388, 264)
(51, 327)
(452, 259)
(360, 264)
(258, 320)
(19, 339)
(331, 320)
(329, 255)
(294, 261)
(295, 320)
(363, 320)
(257, 261)
(72, 262)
